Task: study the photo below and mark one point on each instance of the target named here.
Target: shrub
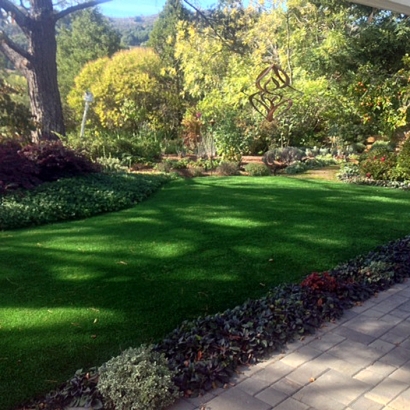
(164, 166)
(15, 117)
(207, 164)
(378, 163)
(228, 168)
(403, 161)
(196, 171)
(55, 161)
(230, 141)
(286, 155)
(378, 272)
(16, 171)
(121, 144)
(296, 168)
(256, 169)
(348, 171)
(138, 146)
(180, 164)
(381, 145)
(138, 379)
(110, 164)
(173, 147)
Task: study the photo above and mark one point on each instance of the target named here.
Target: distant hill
(134, 31)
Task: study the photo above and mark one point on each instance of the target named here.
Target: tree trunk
(38, 62)
(41, 76)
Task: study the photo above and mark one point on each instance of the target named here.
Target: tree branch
(17, 14)
(10, 44)
(209, 22)
(78, 7)
(19, 57)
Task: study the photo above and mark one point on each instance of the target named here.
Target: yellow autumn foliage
(126, 89)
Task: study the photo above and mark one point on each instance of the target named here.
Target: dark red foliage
(322, 282)
(29, 166)
(16, 171)
(55, 161)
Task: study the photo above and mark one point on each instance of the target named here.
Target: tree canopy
(87, 36)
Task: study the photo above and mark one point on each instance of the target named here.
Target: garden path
(360, 362)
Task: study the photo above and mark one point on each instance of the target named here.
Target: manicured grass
(75, 294)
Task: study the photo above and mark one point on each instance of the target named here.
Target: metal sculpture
(269, 83)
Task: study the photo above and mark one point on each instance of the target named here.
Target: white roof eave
(399, 6)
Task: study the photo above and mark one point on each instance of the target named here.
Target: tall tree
(163, 40)
(37, 19)
(88, 36)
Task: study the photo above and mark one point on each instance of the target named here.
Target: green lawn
(75, 294)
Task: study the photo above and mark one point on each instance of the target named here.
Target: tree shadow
(74, 294)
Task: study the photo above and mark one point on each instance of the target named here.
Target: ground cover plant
(76, 294)
(76, 198)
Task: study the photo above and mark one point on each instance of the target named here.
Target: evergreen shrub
(257, 169)
(286, 155)
(138, 379)
(228, 168)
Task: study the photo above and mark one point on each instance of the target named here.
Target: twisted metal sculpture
(269, 82)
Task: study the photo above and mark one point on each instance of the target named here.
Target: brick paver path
(361, 362)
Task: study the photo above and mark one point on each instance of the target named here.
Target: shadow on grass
(72, 295)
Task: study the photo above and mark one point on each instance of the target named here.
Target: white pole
(89, 98)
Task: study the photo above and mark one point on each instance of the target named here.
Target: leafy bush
(257, 169)
(286, 155)
(124, 145)
(377, 271)
(403, 161)
(196, 171)
(75, 198)
(173, 147)
(15, 117)
(164, 166)
(228, 168)
(348, 171)
(381, 146)
(229, 139)
(180, 164)
(55, 161)
(110, 164)
(320, 282)
(378, 163)
(324, 160)
(16, 171)
(138, 379)
(296, 168)
(207, 164)
(357, 147)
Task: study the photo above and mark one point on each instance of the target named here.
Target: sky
(132, 8)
